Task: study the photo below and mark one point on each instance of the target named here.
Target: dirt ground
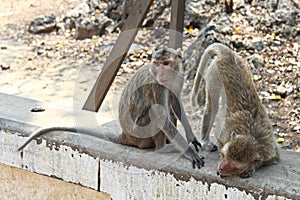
(59, 70)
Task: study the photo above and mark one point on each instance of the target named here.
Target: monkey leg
(161, 146)
(160, 141)
(210, 113)
(198, 97)
(142, 143)
(167, 148)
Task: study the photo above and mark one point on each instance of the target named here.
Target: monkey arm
(180, 113)
(180, 143)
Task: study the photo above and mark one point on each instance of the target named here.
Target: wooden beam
(177, 23)
(117, 55)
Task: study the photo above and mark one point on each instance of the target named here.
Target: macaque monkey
(149, 107)
(246, 140)
(149, 103)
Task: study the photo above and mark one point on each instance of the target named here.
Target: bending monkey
(246, 140)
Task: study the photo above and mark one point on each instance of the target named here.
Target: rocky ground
(60, 67)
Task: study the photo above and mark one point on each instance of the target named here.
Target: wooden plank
(117, 55)
(177, 23)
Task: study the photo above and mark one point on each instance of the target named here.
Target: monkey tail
(104, 133)
(42, 131)
(213, 51)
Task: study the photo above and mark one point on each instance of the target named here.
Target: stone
(257, 61)
(45, 24)
(40, 52)
(4, 67)
(86, 28)
(211, 33)
(281, 90)
(80, 10)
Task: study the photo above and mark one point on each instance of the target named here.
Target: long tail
(210, 53)
(43, 131)
(104, 134)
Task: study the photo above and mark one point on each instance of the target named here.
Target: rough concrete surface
(272, 182)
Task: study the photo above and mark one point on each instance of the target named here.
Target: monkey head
(167, 66)
(239, 156)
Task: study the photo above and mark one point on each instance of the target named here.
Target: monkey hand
(209, 146)
(195, 158)
(196, 143)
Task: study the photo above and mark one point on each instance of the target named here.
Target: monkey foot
(209, 146)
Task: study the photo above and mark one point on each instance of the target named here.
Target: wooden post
(117, 55)
(177, 23)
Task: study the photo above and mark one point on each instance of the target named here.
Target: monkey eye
(166, 63)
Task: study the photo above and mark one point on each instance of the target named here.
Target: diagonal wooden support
(177, 22)
(117, 55)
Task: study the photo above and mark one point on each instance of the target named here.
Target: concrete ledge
(125, 172)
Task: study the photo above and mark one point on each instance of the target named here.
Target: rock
(211, 33)
(37, 109)
(296, 128)
(4, 67)
(44, 24)
(281, 90)
(193, 17)
(69, 23)
(288, 31)
(86, 28)
(40, 52)
(285, 17)
(257, 44)
(157, 16)
(264, 94)
(238, 44)
(118, 9)
(256, 61)
(85, 11)
(81, 9)
(289, 68)
(87, 20)
(49, 55)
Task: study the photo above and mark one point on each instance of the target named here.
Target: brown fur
(153, 85)
(246, 141)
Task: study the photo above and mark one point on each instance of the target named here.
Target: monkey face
(239, 155)
(229, 164)
(166, 68)
(163, 70)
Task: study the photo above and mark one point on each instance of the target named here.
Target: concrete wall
(120, 171)
(21, 184)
